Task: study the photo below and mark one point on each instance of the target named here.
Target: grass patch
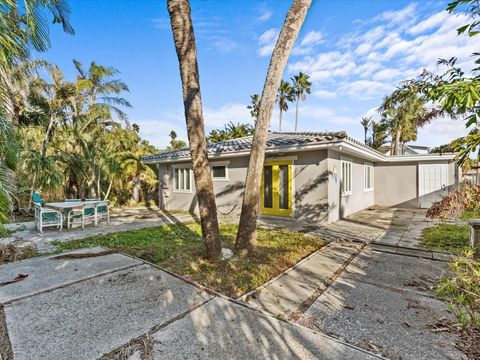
(446, 237)
(179, 249)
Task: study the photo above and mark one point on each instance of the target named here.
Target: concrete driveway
(95, 304)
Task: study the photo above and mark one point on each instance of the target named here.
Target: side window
(369, 177)
(346, 178)
(181, 179)
(219, 172)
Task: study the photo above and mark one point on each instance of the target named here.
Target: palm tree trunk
(184, 39)
(395, 143)
(246, 235)
(46, 137)
(280, 121)
(107, 194)
(296, 116)
(366, 132)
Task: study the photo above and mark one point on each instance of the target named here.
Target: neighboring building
(312, 176)
(472, 175)
(407, 149)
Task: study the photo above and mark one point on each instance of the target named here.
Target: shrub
(463, 201)
(463, 289)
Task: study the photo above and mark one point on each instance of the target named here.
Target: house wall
(396, 184)
(340, 206)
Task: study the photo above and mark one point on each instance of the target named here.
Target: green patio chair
(37, 199)
(45, 217)
(81, 216)
(102, 211)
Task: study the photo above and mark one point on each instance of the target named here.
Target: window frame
(369, 168)
(349, 165)
(214, 178)
(184, 168)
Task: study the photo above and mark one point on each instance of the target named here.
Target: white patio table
(70, 205)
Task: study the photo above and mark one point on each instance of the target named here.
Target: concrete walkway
(121, 220)
(94, 304)
(288, 293)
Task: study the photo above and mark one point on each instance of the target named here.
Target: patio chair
(37, 199)
(102, 211)
(45, 217)
(81, 216)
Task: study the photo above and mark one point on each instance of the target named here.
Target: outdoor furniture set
(74, 211)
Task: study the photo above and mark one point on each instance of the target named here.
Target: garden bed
(178, 248)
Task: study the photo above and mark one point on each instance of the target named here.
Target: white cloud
(387, 74)
(429, 23)
(267, 42)
(222, 44)
(325, 94)
(366, 89)
(265, 15)
(312, 38)
(441, 131)
(215, 118)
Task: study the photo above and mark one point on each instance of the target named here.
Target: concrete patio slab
(221, 329)
(285, 294)
(384, 301)
(90, 318)
(47, 273)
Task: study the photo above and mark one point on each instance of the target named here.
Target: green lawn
(446, 237)
(179, 249)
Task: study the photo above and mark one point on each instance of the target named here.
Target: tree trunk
(184, 39)
(107, 194)
(296, 116)
(246, 235)
(46, 137)
(395, 143)
(136, 189)
(366, 133)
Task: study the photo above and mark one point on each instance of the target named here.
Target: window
(346, 178)
(368, 177)
(219, 172)
(181, 179)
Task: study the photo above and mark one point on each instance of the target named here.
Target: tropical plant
(379, 135)
(285, 94)
(184, 39)
(246, 235)
(366, 123)
(301, 86)
(174, 143)
(402, 114)
(230, 131)
(254, 106)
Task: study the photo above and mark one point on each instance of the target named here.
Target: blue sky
(356, 51)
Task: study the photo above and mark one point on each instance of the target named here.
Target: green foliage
(301, 85)
(463, 289)
(231, 131)
(174, 143)
(254, 106)
(446, 237)
(455, 204)
(378, 136)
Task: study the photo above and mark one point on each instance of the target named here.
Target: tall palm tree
(366, 122)
(184, 39)
(285, 94)
(246, 235)
(301, 86)
(254, 105)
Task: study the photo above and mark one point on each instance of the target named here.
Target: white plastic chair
(45, 217)
(102, 211)
(81, 216)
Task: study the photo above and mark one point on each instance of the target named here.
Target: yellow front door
(276, 190)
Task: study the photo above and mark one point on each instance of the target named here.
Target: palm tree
(231, 131)
(366, 122)
(402, 114)
(254, 105)
(246, 235)
(184, 39)
(284, 95)
(301, 86)
(23, 24)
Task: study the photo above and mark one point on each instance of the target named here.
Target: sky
(355, 51)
